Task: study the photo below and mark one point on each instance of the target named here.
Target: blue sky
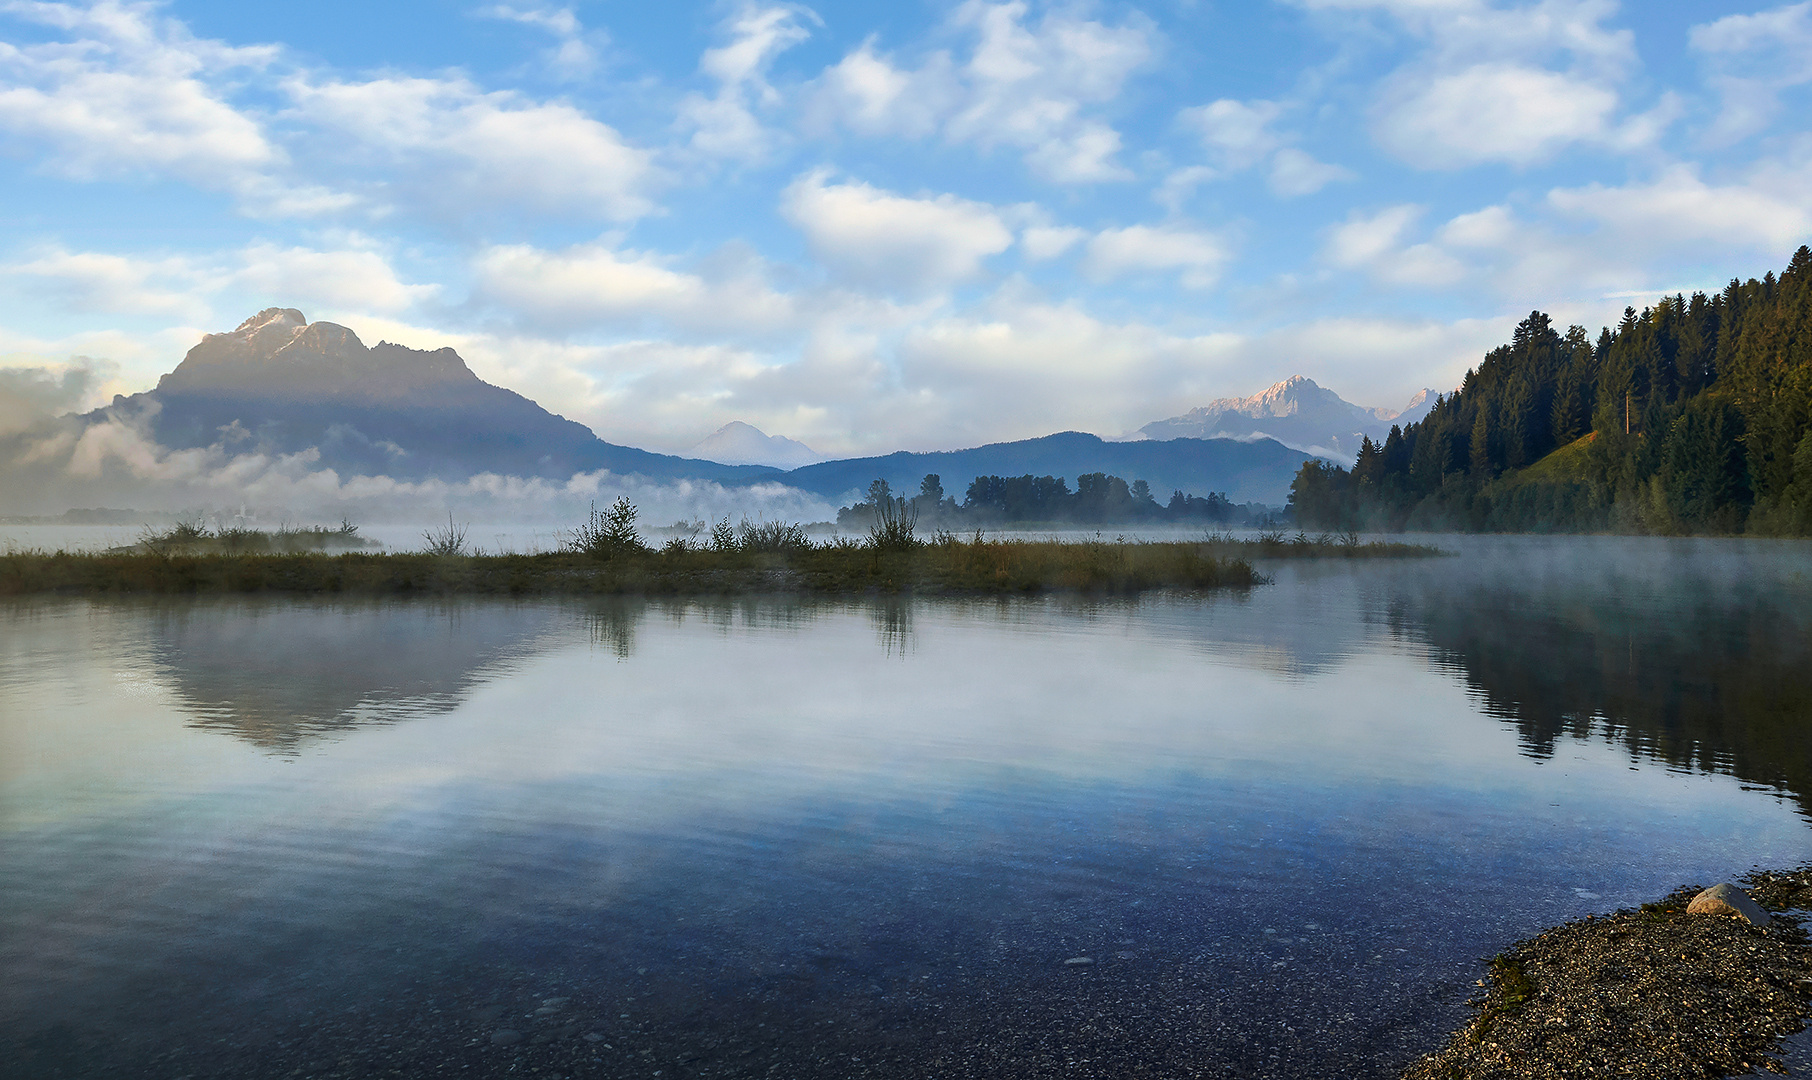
(872, 227)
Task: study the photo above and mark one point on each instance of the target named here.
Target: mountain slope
(1255, 471)
(1296, 412)
(280, 384)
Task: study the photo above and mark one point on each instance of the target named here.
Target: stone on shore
(1727, 899)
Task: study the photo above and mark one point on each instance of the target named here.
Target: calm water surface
(1253, 835)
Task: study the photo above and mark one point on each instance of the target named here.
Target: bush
(449, 541)
(609, 533)
(771, 536)
(894, 521)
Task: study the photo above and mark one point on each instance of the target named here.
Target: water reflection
(1695, 662)
(785, 838)
(280, 673)
(1704, 666)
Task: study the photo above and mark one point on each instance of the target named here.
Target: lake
(1259, 834)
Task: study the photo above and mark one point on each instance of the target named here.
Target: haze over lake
(1256, 834)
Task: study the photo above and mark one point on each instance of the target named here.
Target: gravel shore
(1650, 992)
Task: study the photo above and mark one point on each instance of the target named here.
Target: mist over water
(787, 838)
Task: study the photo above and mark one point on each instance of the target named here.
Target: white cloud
(572, 56)
(1464, 32)
(1295, 172)
(1236, 132)
(593, 285)
(1024, 85)
(99, 282)
(351, 278)
(1362, 239)
(1753, 58)
(1179, 186)
(1020, 369)
(1239, 135)
(879, 237)
(1782, 35)
(446, 144)
(132, 94)
(726, 125)
(1491, 113)
(1771, 213)
(869, 95)
(1140, 249)
(1375, 243)
(1513, 84)
(346, 279)
(1049, 241)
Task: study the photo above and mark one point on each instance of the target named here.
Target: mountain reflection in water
(1709, 669)
(770, 837)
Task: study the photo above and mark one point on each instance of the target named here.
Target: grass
(193, 538)
(607, 556)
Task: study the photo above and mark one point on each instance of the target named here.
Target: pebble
(1077, 961)
(505, 1037)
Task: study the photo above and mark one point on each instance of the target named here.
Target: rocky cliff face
(278, 353)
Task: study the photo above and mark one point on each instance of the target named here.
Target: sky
(874, 227)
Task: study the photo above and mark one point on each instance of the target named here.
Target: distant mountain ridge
(279, 384)
(1258, 470)
(737, 443)
(1296, 412)
(283, 385)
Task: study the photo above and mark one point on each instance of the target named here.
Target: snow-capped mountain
(737, 443)
(1295, 412)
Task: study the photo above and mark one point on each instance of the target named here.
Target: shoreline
(1649, 991)
(949, 567)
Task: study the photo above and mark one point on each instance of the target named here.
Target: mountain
(1419, 406)
(1295, 412)
(737, 443)
(1257, 470)
(280, 384)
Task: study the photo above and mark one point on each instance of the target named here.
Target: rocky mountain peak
(279, 354)
(1297, 412)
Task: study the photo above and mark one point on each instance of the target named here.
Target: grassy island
(606, 556)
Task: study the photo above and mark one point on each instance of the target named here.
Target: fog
(52, 461)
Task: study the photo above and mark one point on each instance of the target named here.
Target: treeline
(1099, 499)
(1694, 416)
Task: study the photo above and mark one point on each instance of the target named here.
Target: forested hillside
(1693, 416)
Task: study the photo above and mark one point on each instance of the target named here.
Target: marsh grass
(944, 565)
(194, 538)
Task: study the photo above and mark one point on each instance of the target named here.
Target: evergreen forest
(1693, 416)
(1099, 499)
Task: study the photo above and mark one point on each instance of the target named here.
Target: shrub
(771, 536)
(450, 540)
(609, 533)
(894, 521)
